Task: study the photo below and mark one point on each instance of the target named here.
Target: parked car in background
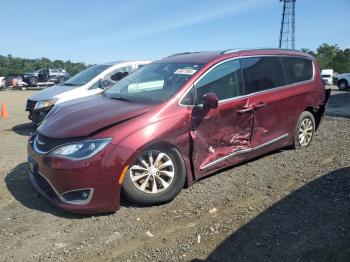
(91, 81)
(173, 122)
(327, 75)
(14, 82)
(343, 81)
(45, 75)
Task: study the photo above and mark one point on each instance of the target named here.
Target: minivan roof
(204, 57)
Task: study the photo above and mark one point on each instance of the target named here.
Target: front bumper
(37, 116)
(55, 177)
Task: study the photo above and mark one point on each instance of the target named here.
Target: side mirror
(210, 101)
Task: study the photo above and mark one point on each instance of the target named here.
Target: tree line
(328, 56)
(10, 65)
(331, 57)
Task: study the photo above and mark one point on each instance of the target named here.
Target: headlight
(81, 150)
(44, 104)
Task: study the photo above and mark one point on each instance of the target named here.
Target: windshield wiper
(69, 84)
(121, 98)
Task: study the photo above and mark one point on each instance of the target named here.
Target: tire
(306, 122)
(32, 81)
(61, 80)
(143, 191)
(343, 84)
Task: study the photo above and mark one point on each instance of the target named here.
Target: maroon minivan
(173, 122)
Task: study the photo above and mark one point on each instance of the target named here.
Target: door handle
(260, 105)
(245, 110)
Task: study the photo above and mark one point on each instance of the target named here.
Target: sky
(106, 30)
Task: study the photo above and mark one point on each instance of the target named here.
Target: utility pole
(287, 34)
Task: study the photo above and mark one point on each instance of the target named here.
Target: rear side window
(298, 69)
(225, 81)
(262, 73)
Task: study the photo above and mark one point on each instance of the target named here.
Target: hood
(51, 92)
(82, 117)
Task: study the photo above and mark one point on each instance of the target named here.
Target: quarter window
(224, 80)
(298, 69)
(262, 73)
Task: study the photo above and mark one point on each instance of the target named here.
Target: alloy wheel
(153, 172)
(306, 130)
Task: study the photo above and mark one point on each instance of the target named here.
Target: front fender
(173, 131)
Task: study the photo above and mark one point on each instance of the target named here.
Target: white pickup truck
(343, 81)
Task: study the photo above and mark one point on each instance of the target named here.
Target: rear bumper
(55, 177)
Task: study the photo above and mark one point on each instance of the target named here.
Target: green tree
(14, 65)
(331, 57)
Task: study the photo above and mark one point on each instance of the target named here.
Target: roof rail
(248, 49)
(183, 53)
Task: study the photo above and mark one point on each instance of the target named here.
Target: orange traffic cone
(4, 113)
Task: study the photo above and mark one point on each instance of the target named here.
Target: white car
(91, 81)
(343, 81)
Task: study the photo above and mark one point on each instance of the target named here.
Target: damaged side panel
(219, 133)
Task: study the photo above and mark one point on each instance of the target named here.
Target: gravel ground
(286, 206)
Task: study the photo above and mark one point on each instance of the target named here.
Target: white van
(327, 76)
(91, 81)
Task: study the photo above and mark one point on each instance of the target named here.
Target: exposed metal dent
(244, 151)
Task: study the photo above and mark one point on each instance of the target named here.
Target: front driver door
(221, 136)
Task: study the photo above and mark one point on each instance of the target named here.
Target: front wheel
(156, 176)
(305, 130)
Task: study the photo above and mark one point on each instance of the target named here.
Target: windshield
(85, 76)
(326, 76)
(153, 83)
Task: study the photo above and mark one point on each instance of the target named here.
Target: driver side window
(225, 81)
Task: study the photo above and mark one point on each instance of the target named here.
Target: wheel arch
(317, 112)
(162, 143)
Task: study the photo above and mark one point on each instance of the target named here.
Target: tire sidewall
(345, 85)
(304, 115)
(33, 81)
(136, 196)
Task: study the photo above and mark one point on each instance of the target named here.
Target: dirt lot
(287, 206)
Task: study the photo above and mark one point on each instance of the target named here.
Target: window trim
(254, 93)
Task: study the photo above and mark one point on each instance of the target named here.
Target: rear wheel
(343, 84)
(33, 81)
(305, 130)
(156, 176)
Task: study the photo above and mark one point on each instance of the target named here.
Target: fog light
(77, 195)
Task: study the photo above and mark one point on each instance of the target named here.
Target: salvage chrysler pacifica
(173, 122)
